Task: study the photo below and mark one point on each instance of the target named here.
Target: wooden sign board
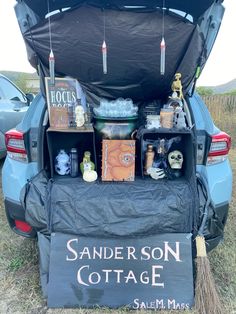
(152, 272)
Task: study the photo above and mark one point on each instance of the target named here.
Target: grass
(20, 290)
(223, 111)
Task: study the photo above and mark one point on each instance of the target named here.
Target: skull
(175, 159)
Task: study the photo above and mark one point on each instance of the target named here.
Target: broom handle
(208, 201)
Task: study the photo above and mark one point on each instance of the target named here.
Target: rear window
(185, 15)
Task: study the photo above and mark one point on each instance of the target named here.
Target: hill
(218, 89)
(14, 76)
(223, 88)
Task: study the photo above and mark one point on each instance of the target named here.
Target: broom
(207, 300)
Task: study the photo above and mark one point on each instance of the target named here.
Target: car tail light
(23, 226)
(15, 145)
(219, 149)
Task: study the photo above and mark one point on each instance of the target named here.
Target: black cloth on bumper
(142, 207)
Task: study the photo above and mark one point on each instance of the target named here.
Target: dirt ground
(20, 290)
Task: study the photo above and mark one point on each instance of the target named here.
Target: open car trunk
(133, 37)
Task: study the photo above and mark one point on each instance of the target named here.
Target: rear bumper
(15, 211)
(214, 232)
(2, 153)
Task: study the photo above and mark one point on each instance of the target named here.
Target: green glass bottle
(87, 164)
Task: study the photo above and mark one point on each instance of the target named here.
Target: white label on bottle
(87, 166)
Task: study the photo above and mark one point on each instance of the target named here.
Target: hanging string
(163, 44)
(51, 58)
(104, 45)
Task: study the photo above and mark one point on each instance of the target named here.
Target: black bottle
(74, 166)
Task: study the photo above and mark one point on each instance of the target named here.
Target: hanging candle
(163, 56)
(104, 57)
(52, 67)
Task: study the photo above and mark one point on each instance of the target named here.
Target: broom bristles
(207, 300)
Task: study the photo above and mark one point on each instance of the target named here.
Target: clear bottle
(149, 158)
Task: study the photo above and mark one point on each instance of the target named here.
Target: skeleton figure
(175, 159)
(177, 86)
(79, 116)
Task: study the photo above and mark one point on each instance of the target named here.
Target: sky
(219, 69)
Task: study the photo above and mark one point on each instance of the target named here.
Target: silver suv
(13, 106)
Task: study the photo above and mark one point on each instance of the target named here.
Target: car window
(10, 91)
(1, 93)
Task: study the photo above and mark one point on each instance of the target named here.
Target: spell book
(118, 160)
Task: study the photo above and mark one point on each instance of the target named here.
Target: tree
(232, 92)
(21, 82)
(204, 91)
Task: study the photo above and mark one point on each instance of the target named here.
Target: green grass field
(20, 290)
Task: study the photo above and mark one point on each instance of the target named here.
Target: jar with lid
(167, 117)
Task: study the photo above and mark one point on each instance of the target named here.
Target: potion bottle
(74, 165)
(87, 164)
(149, 158)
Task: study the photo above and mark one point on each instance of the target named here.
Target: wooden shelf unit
(81, 138)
